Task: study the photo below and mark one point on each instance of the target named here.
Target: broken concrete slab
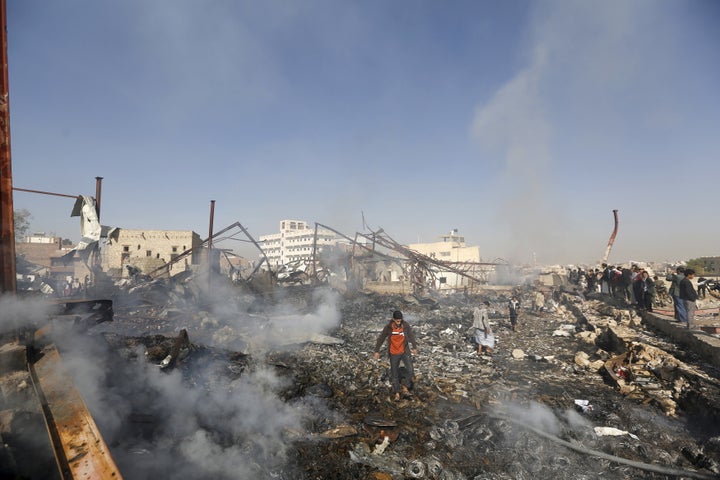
(13, 357)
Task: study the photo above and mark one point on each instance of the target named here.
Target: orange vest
(397, 340)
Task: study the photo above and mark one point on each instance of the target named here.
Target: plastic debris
(615, 432)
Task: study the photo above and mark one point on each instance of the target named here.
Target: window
(148, 253)
(444, 254)
(174, 249)
(126, 248)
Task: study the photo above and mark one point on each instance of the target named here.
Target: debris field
(235, 384)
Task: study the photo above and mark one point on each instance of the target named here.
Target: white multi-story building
(295, 242)
(451, 249)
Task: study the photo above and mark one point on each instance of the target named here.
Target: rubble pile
(285, 386)
(533, 367)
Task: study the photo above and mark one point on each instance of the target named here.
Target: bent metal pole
(612, 238)
(8, 282)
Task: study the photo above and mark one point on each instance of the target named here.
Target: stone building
(148, 250)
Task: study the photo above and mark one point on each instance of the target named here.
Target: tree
(705, 265)
(22, 223)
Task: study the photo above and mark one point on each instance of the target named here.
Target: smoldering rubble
(191, 382)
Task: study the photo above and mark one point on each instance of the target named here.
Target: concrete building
(294, 243)
(48, 257)
(148, 250)
(451, 248)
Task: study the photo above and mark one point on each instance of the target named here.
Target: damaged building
(148, 250)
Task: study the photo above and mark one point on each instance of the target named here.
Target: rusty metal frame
(208, 241)
(80, 450)
(419, 268)
(416, 266)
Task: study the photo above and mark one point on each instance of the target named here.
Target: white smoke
(203, 424)
(18, 314)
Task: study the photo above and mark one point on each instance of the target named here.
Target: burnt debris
(188, 382)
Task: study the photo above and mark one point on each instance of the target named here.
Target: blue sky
(523, 124)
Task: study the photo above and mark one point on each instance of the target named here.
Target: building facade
(47, 258)
(294, 242)
(148, 250)
(451, 248)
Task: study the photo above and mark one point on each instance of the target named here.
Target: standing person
(639, 288)
(702, 287)
(538, 304)
(688, 295)
(401, 336)
(483, 333)
(674, 292)
(605, 279)
(514, 310)
(591, 280)
(647, 291)
(625, 283)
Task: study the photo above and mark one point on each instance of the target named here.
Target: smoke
(203, 420)
(18, 314)
(564, 424)
(536, 415)
(574, 67)
(514, 124)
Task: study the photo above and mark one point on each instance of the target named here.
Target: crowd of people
(634, 285)
(631, 284)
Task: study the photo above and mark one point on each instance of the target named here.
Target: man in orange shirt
(401, 335)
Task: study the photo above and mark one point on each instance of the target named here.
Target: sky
(523, 124)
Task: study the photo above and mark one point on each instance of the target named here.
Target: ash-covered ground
(284, 386)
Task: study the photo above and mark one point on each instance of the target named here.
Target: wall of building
(450, 248)
(148, 250)
(48, 252)
(39, 252)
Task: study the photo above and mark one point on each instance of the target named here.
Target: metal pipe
(45, 193)
(212, 217)
(8, 281)
(612, 238)
(98, 191)
(210, 243)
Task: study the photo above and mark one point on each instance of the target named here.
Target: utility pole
(8, 281)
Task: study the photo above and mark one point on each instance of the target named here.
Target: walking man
(514, 310)
(483, 333)
(401, 335)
